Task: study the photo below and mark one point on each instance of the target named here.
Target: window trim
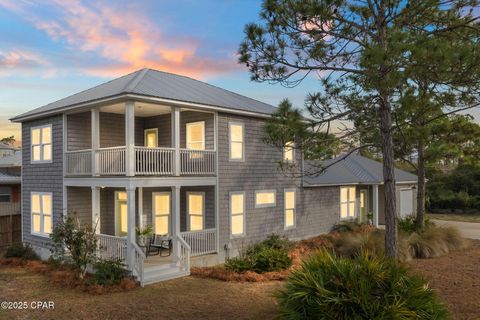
(285, 227)
(154, 215)
(236, 123)
(188, 124)
(145, 133)
(244, 233)
(348, 217)
(10, 194)
(285, 152)
(41, 144)
(116, 207)
(268, 205)
(198, 193)
(42, 232)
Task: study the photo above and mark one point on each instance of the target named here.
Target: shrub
(407, 224)
(366, 287)
(346, 226)
(21, 251)
(350, 244)
(239, 264)
(271, 259)
(109, 272)
(435, 241)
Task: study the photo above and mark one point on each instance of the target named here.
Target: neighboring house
(10, 183)
(7, 150)
(188, 158)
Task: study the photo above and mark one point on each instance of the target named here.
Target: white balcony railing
(111, 161)
(154, 161)
(78, 163)
(111, 247)
(201, 242)
(193, 162)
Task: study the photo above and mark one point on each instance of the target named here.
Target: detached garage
(362, 179)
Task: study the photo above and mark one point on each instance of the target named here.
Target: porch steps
(163, 272)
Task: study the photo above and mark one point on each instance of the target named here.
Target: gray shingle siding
(79, 134)
(44, 177)
(191, 116)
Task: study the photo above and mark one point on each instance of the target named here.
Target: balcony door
(121, 214)
(161, 210)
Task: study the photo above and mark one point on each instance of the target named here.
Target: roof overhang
(355, 184)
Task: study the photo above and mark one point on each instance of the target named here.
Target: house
(188, 158)
(7, 150)
(10, 182)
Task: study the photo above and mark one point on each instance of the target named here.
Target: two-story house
(186, 157)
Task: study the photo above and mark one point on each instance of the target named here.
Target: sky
(50, 49)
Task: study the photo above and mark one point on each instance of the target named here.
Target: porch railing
(195, 162)
(154, 161)
(138, 262)
(78, 162)
(112, 247)
(201, 242)
(184, 253)
(111, 161)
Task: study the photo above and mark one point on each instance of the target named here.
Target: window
(121, 214)
(161, 211)
(5, 194)
(196, 135)
(347, 202)
(151, 138)
(265, 198)
(237, 213)
(41, 209)
(196, 210)
(41, 142)
(290, 211)
(236, 136)
(289, 152)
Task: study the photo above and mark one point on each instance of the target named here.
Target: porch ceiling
(142, 109)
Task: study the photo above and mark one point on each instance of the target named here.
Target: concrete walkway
(468, 229)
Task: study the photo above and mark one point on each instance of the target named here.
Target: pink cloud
(14, 60)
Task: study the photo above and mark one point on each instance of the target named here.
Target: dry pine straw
(66, 276)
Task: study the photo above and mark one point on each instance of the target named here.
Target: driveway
(468, 229)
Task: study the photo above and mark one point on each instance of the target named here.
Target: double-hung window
(237, 214)
(41, 143)
(237, 137)
(347, 202)
(290, 208)
(41, 213)
(196, 210)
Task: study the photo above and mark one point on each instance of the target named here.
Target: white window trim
(293, 153)
(41, 144)
(154, 220)
(42, 227)
(188, 207)
(236, 123)
(186, 134)
(235, 236)
(349, 217)
(115, 208)
(268, 205)
(146, 131)
(294, 209)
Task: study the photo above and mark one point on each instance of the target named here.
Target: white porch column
(65, 204)
(95, 124)
(130, 226)
(375, 205)
(141, 222)
(175, 219)
(130, 138)
(96, 209)
(176, 139)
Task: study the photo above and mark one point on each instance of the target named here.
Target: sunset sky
(51, 49)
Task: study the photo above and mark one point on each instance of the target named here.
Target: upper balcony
(140, 139)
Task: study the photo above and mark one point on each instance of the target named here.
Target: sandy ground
(469, 230)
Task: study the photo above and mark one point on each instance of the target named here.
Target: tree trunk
(388, 179)
(421, 186)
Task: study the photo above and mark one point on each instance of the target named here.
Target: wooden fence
(10, 224)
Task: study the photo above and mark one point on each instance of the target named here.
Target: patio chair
(158, 244)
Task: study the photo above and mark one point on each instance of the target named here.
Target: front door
(121, 214)
(363, 206)
(161, 209)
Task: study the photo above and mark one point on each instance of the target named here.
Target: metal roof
(8, 178)
(156, 84)
(11, 161)
(352, 169)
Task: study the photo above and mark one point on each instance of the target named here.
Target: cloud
(123, 37)
(12, 61)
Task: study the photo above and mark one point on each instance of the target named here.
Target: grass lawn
(454, 277)
(455, 217)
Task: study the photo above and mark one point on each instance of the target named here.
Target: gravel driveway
(468, 229)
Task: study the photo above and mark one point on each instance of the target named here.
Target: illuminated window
(196, 135)
(288, 152)
(151, 138)
(196, 210)
(236, 135)
(161, 211)
(237, 213)
(265, 198)
(41, 209)
(121, 214)
(347, 202)
(290, 210)
(41, 144)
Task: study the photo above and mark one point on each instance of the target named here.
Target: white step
(162, 273)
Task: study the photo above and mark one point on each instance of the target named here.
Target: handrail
(138, 262)
(111, 148)
(184, 257)
(201, 242)
(78, 151)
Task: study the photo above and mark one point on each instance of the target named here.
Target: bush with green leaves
(109, 272)
(21, 251)
(73, 243)
(366, 287)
